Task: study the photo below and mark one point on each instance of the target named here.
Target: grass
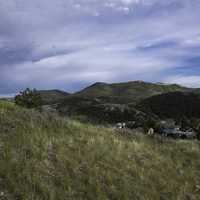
(45, 157)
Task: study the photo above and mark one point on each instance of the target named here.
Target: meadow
(47, 157)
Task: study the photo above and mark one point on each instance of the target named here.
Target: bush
(29, 99)
(198, 133)
(149, 123)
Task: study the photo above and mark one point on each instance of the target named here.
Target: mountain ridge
(128, 92)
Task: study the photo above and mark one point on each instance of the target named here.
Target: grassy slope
(52, 96)
(128, 92)
(46, 157)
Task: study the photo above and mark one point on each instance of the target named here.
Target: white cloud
(189, 81)
(130, 1)
(123, 9)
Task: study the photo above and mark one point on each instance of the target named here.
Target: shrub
(149, 123)
(29, 99)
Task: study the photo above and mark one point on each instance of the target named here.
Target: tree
(29, 99)
(185, 123)
(198, 134)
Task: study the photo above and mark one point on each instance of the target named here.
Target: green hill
(46, 157)
(52, 96)
(128, 92)
(111, 103)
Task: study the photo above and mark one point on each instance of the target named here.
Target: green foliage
(29, 99)
(176, 105)
(185, 123)
(96, 111)
(195, 124)
(198, 134)
(149, 123)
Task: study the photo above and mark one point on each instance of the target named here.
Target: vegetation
(29, 99)
(112, 103)
(173, 105)
(46, 157)
(96, 111)
(52, 96)
(129, 92)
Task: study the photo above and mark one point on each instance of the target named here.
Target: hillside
(44, 156)
(129, 92)
(52, 96)
(95, 110)
(112, 103)
(173, 105)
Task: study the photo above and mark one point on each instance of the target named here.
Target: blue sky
(68, 44)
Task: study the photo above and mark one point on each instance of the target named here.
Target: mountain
(102, 102)
(52, 96)
(116, 102)
(129, 92)
(173, 105)
(196, 90)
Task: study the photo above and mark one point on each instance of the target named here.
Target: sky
(69, 44)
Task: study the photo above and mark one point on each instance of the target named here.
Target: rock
(120, 125)
(150, 131)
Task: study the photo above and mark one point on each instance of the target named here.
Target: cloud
(68, 44)
(189, 81)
